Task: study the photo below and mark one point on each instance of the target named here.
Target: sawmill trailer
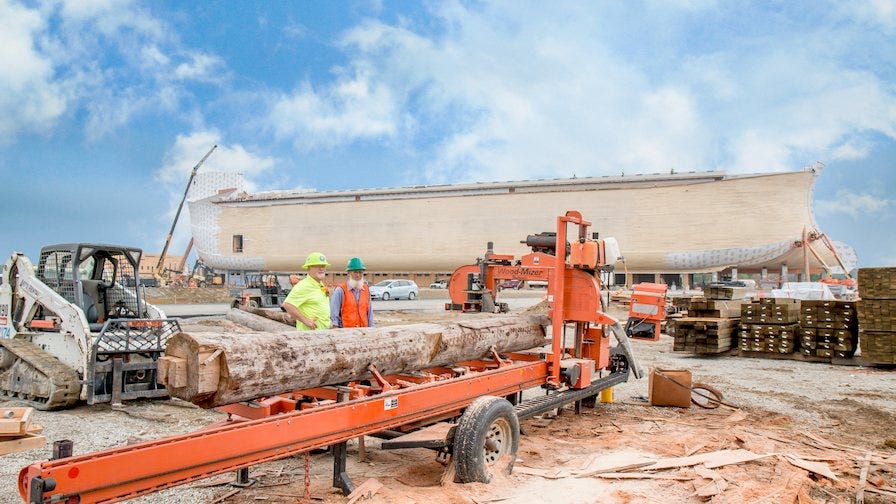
(477, 402)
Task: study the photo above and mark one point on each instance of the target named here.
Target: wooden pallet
(18, 432)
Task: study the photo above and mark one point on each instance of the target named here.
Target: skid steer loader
(77, 328)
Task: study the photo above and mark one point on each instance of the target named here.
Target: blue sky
(107, 105)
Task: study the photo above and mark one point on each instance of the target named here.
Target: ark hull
(697, 222)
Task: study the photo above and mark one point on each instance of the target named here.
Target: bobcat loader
(77, 329)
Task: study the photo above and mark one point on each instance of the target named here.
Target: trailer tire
(486, 440)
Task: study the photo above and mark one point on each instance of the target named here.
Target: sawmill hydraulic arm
(477, 402)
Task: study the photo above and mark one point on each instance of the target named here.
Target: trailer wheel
(486, 440)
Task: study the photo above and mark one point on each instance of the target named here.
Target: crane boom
(160, 265)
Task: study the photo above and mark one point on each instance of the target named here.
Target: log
(275, 315)
(256, 322)
(214, 369)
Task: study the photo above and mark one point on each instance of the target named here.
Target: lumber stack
(768, 338)
(703, 335)
(17, 432)
(828, 329)
(727, 292)
(708, 328)
(771, 311)
(877, 314)
(770, 325)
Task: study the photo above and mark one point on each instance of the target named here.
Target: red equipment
(647, 311)
(484, 396)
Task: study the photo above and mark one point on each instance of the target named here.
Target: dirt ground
(831, 420)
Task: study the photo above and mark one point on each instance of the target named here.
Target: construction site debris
(670, 387)
(17, 432)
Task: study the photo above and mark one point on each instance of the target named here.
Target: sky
(107, 105)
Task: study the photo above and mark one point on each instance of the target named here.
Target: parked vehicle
(439, 284)
(394, 289)
(510, 284)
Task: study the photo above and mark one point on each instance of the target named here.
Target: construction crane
(160, 267)
(470, 410)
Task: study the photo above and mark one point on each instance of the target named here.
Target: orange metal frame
(131, 471)
(277, 427)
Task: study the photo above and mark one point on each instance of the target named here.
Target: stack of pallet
(828, 329)
(877, 314)
(709, 326)
(17, 432)
(770, 325)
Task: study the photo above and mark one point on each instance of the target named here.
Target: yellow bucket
(606, 395)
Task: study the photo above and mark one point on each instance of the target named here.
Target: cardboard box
(670, 387)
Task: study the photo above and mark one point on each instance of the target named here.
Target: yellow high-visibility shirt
(312, 300)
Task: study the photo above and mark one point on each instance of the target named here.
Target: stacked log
(708, 328)
(770, 325)
(828, 329)
(877, 314)
(214, 369)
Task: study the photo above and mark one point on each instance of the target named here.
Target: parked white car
(394, 289)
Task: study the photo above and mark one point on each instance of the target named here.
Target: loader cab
(95, 277)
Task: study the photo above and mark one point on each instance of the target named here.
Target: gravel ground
(854, 405)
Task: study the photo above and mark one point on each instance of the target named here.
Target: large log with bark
(212, 369)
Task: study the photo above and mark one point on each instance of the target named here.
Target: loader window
(85, 269)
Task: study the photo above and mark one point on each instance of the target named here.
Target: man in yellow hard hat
(309, 300)
(350, 304)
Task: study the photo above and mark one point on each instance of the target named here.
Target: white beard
(355, 284)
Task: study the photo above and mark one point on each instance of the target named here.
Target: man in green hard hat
(350, 304)
(309, 300)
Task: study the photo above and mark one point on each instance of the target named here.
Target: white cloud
(186, 153)
(353, 107)
(111, 59)
(189, 149)
(851, 150)
(857, 206)
(511, 96)
(30, 99)
(200, 67)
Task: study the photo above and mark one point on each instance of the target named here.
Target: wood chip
(734, 457)
(695, 449)
(226, 496)
(643, 476)
(863, 476)
(710, 459)
(714, 487)
(735, 417)
(881, 492)
(616, 469)
(819, 468)
(365, 490)
(544, 473)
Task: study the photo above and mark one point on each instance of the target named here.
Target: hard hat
(355, 264)
(315, 259)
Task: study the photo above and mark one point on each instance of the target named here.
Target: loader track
(37, 378)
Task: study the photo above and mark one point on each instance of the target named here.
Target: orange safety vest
(354, 312)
